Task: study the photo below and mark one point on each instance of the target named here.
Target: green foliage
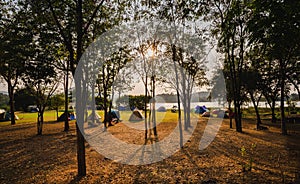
(15, 39)
(24, 97)
(4, 100)
(57, 101)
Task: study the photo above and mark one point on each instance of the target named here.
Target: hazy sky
(139, 87)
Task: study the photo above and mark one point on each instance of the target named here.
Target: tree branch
(92, 17)
(60, 28)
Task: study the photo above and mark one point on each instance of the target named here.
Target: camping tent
(71, 116)
(122, 108)
(200, 109)
(115, 114)
(6, 116)
(97, 117)
(161, 109)
(63, 117)
(136, 115)
(206, 114)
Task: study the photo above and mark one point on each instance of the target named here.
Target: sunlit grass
(31, 117)
(50, 116)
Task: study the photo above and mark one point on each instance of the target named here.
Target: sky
(139, 87)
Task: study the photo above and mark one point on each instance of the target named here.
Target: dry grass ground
(51, 158)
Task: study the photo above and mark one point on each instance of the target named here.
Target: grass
(51, 158)
(50, 116)
(31, 117)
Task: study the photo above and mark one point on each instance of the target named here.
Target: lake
(217, 105)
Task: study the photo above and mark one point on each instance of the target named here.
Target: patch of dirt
(51, 158)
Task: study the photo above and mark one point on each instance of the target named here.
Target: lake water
(217, 105)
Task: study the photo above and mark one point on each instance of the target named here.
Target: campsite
(51, 158)
(176, 91)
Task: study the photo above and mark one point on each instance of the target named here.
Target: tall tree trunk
(272, 102)
(178, 96)
(239, 116)
(258, 120)
(105, 108)
(234, 86)
(67, 127)
(145, 104)
(111, 103)
(282, 86)
(153, 110)
(230, 114)
(189, 96)
(80, 153)
(11, 103)
(93, 105)
(80, 139)
(40, 122)
(184, 101)
(274, 119)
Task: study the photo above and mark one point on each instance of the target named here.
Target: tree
(15, 39)
(179, 15)
(124, 82)
(252, 84)
(131, 101)
(63, 65)
(106, 78)
(230, 29)
(43, 79)
(56, 102)
(41, 76)
(40, 73)
(75, 21)
(276, 25)
(221, 90)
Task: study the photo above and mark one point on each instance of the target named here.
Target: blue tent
(200, 109)
(122, 108)
(161, 109)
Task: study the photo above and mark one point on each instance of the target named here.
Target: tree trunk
(230, 114)
(283, 125)
(11, 104)
(153, 110)
(237, 113)
(67, 127)
(189, 96)
(105, 109)
(184, 101)
(258, 120)
(145, 104)
(178, 96)
(80, 153)
(80, 139)
(93, 105)
(179, 120)
(40, 122)
(239, 116)
(274, 119)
